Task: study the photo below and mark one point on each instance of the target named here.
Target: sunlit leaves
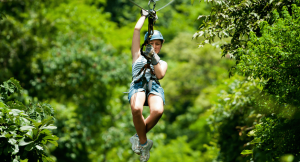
(236, 19)
(24, 130)
(274, 56)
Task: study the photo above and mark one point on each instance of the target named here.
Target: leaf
(46, 121)
(200, 16)
(19, 105)
(246, 152)
(192, 1)
(29, 147)
(15, 112)
(52, 137)
(12, 141)
(255, 140)
(46, 131)
(47, 159)
(8, 135)
(23, 128)
(39, 147)
(29, 134)
(49, 127)
(24, 121)
(16, 83)
(24, 143)
(54, 143)
(15, 150)
(2, 105)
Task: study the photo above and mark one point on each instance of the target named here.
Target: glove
(149, 51)
(144, 13)
(155, 59)
(151, 55)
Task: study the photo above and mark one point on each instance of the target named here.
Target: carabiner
(154, 3)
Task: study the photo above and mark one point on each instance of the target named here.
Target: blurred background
(75, 55)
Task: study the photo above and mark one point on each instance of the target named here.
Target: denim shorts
(156, 89)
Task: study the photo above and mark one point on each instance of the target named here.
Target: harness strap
(143, 69)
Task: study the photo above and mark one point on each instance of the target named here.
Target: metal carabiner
(154, 3)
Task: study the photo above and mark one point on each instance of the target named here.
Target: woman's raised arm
(135, 46)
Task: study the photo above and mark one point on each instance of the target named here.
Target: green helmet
(156, 35)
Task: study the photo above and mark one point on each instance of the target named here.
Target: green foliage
(233, 116)
(25, 130)
(193, 64)
(125, 13)
(21, 40)
(236, 19)
(176, 150)
(265, 44)
(61, 52)
(273, 56)
(188, 99)
(274, 137)
(1, 16)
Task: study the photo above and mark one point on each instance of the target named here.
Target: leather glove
(155, 59)
(144, 13)
(149, 51)
(151, 55)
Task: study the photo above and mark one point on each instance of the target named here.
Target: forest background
(75, 56)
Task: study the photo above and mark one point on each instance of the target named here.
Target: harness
(152, 15)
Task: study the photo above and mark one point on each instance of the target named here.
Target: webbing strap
(143, 69)
(150, 33)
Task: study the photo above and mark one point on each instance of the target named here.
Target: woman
(145, 88)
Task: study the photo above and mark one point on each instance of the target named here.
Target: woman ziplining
(142, 92)
(145, 89)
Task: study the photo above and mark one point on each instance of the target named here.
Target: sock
(144, 143)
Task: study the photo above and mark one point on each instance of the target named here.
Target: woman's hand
(149, 51)
(144, 13)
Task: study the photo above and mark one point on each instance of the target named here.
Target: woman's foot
(135, 144)
(145, 151)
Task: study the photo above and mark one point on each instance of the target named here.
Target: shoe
(135, 141)
(145, 151)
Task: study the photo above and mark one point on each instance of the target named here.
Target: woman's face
(156, 43)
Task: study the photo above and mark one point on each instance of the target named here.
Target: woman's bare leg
(137, 103)
(156, 106)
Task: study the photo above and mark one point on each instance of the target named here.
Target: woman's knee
(158, 111)
(136, 109)
(137, 103)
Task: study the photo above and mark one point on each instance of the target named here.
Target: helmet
(156, 35)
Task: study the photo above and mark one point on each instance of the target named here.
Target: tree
(277, 49)
(236, 20)
(69, 65)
